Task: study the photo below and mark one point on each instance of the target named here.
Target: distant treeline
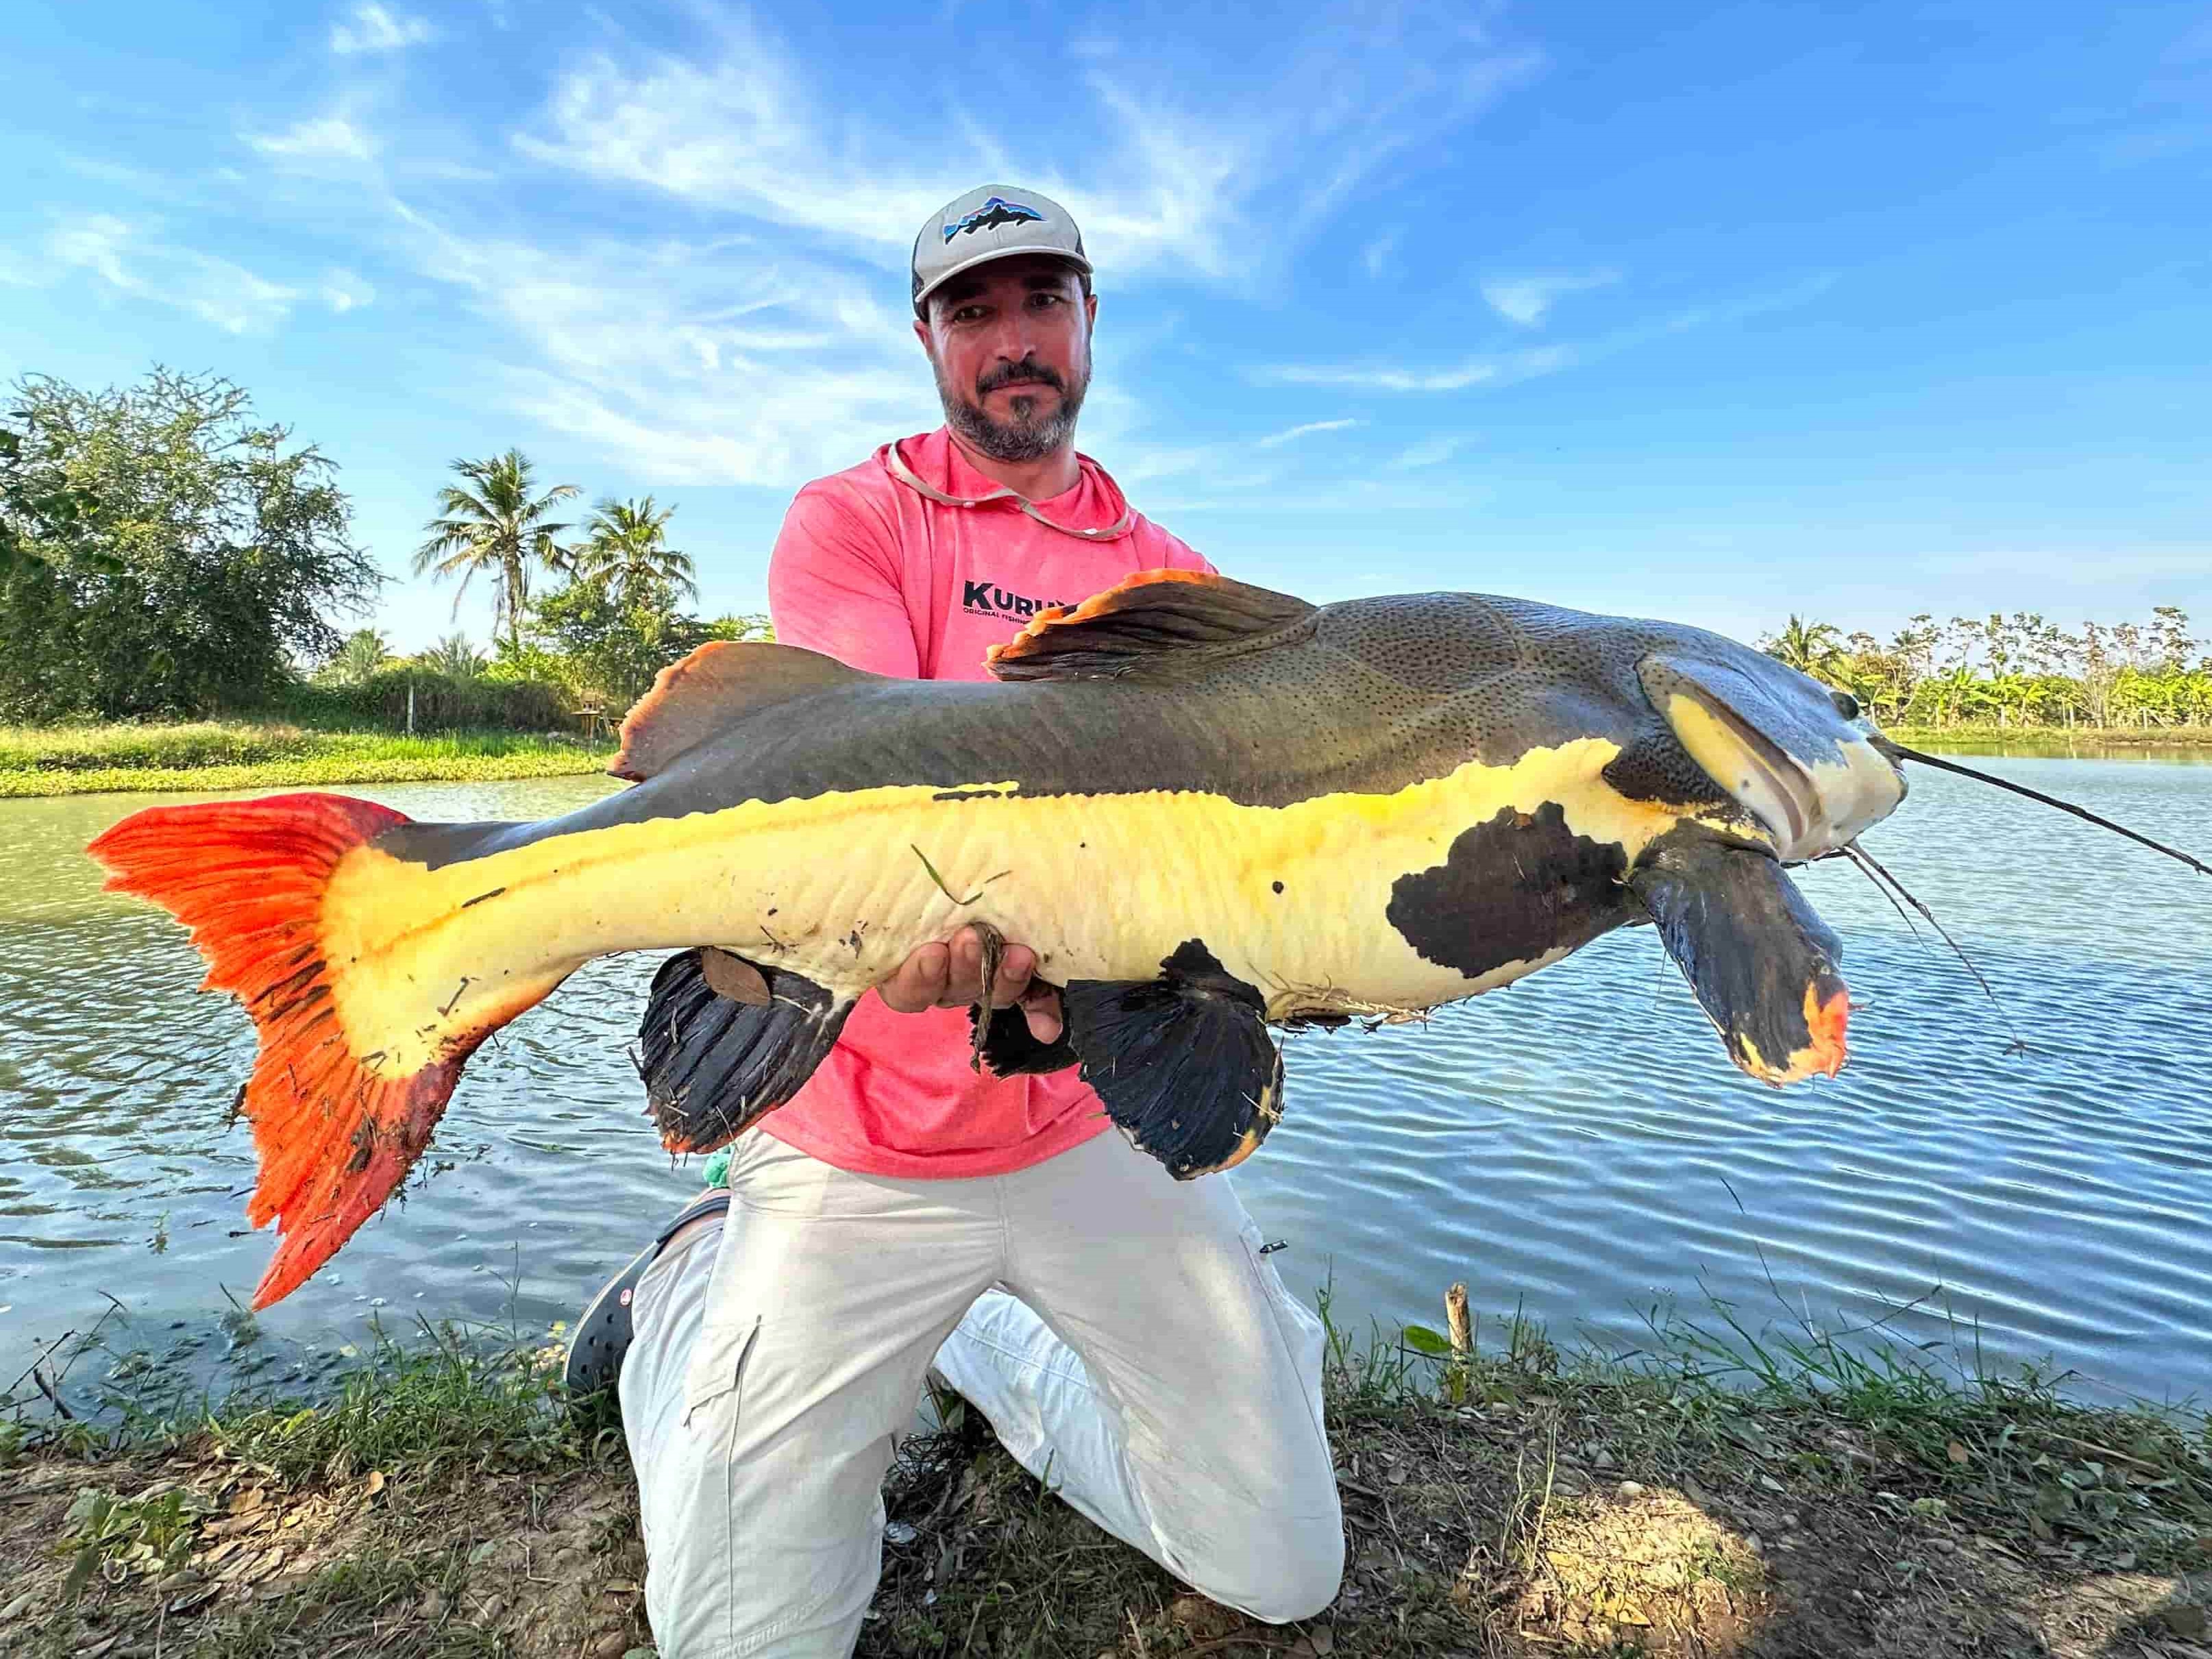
(165, 552)
(2018, 671)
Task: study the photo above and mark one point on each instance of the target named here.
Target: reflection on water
(1577, 1144)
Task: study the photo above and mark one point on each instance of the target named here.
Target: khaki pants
(1120, 1330)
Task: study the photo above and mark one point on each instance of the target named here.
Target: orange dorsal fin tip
(1148, 626)
(709, 690)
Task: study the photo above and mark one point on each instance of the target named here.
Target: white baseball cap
(990, 223)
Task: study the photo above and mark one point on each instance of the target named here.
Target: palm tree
(1814, 648)
(453, 656)
(365, 652)
(626, 547)
(492, 523)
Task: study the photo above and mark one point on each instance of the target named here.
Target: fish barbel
(1206, 806)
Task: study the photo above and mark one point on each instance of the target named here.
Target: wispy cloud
(1210, 189)
(1275, 440)
(1524, 299)
(1429, 451)
(1376, 255)
(319, 138)
(1503, 370)
(132, 259)
(371, 28)
(343, 291)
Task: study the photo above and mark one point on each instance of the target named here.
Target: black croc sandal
(603, 1334)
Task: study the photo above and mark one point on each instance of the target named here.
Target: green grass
(2056, 738)
(209, 755)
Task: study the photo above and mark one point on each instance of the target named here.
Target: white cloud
(1495, 371)
(1376, 256)
(322, 138)
(343, 291)
(1524, 299)
(723, 362)
(1275, 440)
(1429, 451)
(132, 260)
(373, 28)
(1214, 187)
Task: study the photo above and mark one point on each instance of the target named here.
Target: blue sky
(1711, 313)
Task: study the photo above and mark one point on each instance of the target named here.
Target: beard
(1028, 433)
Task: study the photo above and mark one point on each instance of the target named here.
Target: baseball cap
(990, 223)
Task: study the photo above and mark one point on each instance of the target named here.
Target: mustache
(1028, 369)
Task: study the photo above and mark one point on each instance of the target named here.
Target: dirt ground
(1494, 1530)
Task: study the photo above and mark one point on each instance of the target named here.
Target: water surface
(1578, 1143)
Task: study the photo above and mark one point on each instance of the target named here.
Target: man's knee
(1292, 1570)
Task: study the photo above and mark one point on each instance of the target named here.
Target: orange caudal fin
(335, 1134)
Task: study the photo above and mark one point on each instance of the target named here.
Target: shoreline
(41, 762)
(1778, 1496)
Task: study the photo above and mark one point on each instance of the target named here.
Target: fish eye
(1847, 705)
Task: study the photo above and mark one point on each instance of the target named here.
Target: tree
(364, 653)
(1814, 648)
(626, 547)
(167, 552)
(494, 523)
(454, 656)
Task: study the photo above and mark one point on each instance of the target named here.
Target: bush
(442, 702)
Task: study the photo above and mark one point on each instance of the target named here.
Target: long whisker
(1873, 865)
(1850, 850)
(1898, 752)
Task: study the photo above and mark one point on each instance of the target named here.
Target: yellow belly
(841, 887)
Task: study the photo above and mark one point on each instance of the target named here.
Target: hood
(932, 465)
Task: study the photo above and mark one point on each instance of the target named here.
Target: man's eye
(967, 313)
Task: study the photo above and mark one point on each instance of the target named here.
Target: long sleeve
(833, 586)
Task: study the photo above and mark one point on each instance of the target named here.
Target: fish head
(1801, 757)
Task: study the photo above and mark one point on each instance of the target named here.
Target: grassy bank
(1722, 1498)
(2056, 739)
(76, 760)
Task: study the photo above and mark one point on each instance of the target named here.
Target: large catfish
(1206, 806)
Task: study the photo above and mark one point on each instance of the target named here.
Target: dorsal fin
(1157, 624)
(694, 699)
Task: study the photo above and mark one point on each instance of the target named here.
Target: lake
(1577, 1146)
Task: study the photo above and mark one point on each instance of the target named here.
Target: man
(1124, 1333)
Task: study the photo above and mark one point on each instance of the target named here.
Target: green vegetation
(165, 556)
(1724, 1492)
(2008, 675)
(85, 759)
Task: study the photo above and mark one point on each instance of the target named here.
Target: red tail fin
(248, 878)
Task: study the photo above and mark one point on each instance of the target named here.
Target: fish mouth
(1765, 779)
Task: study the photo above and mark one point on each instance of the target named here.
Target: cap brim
(989, 254)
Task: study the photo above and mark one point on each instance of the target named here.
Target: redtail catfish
(1208, 807)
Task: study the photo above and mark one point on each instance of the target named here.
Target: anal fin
(1183, 1062)
(714, 1065)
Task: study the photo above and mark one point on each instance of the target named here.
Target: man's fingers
(919, 982)
(1015, 967)
(1041, 1008)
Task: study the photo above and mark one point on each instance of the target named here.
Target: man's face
(1009, 342)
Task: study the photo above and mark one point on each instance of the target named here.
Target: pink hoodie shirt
(911, 563)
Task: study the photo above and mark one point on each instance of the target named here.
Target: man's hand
(952, 976)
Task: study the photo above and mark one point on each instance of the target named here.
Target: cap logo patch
(993, 213)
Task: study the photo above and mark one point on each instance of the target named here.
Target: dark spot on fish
(447, 1010)
(364, 1147)
(771, 909)
(481, 897)
(1511, 889)
(1278, 887)
(969, 794)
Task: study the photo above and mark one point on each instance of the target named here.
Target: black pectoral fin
(713, 1065)
(1763, 965)
(1184, 1062)
(1010, 1049)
